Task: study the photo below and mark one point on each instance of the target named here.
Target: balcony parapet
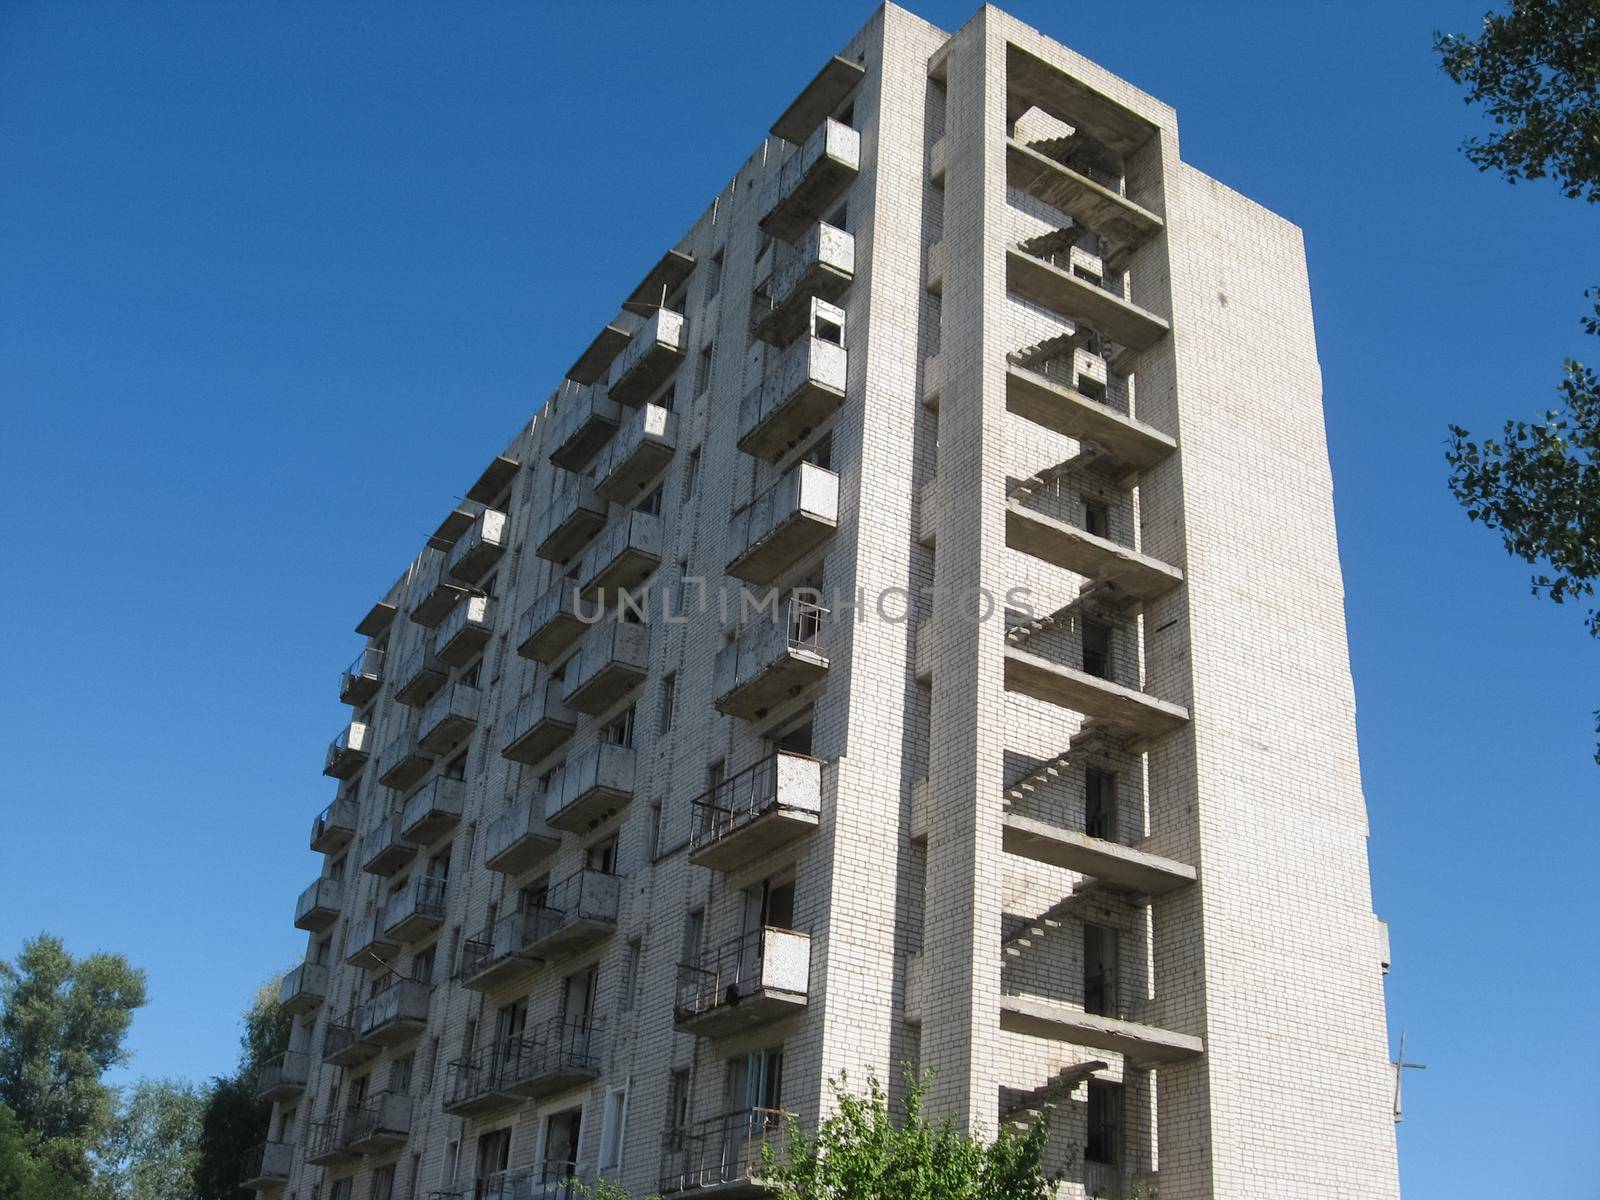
(359, 682)
(614, 659)
(397, 1013)
(771, 662)
(640, 451)
(318, 906)
(652, 355)
(755, 979)
(432, 593)
(575, 913)
(577, 512)
(589, 417)
(519, 838)
(552, 622)
(433, 810)
(415, 910)
(403, 762)
(385, 848)
(784, 524)
(621, 558)
(803, 390)
(334, 827)
(756, 812)
(540, 723)
(349, 751)
(283, 1076)
(304, 988)
(810, 180)
(592, 786)
(479, 548)
(465, 631)
(820, 267)
(449, 717)
(722, 1156)
(419, 676)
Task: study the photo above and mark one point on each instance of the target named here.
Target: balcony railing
(419, 676)
(757, 811)
(303, 988)
(784, 524)
(577, 512)
(499, 953)
(798, 394)
(772, 662)
(820, 267)
(449, 717)
(349, 751)
(754, 979)
(434, 809)
(540, 724)
(266, 1165)
(367, 942)
(588, 418)
(416, 909)
(560, 1054)
(432, 592)
(551, 623)
(479, 548)
(385, 849)
(724, 1152)
(640, 451)
(334, 827)
(343, 1044)
(283, 1075)
(465, 631)
(318, 906)
(591, 787)
(811, 180)
(575, 913)
(547, 1181)
(403, 762)
(615, 658)
(651, 356)
(472, 1085)
(621, 558)
(381, 1123)
(359, 682)
(519, 837)
(395, 1014)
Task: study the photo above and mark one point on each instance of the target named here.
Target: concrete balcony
(784, 524)
(1123, 868)
(1136, 714)
(432, 592)
(465, 631)
(576, 914)
(821, 266)
(433, 811)
(499, 954)
(641, 450)
(756, 812)
(379, 617)
(811, 180)
(327, 1142)
(416, 910)
(559, 1055)
(304, 988)
(540, 724)
(479, 548)
(396, 1014)
(772, 662)
(266, 1166)
(1058, 1021)
(359, 682)
(496, 478)
(472, 1088)
(283, 1076)
(318, 906)
(381, 1123)
(334, 827)
(827, 90)
(622, 557)
(519, 838)
(748, 982)
(1087, 201)
(403, 763)
(593, 785)
(1051, 284)
(652, 355)
(803, 390)
(1055, 541)
(343, 1044)
(614, 660)
(385, 849)
(367, 942)
(551, 623)
(349, 751)
(577, 512)
(723, 1156)
(588, 419)
(449, 717)
(419, 676)
(1057, 405)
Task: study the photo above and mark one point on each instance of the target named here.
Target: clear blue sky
(276, 280)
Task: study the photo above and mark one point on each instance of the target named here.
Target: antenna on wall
(1401, 1065)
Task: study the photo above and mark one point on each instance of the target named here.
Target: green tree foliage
(24, 1177)
(1536, 71)
(153, 1147)
(62, 1021)
(233, 1119)
(864, 1153)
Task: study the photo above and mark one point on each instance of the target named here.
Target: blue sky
(276, 281)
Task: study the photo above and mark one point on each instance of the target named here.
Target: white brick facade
(1120, 847)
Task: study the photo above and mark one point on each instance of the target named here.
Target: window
(1100, 971)
(1100, 804)
(561, 1134)
(678, 1101)
(619, 730)
(1096, 518)
(400, 1074)
(651, 504)
(422, 964)
(704, 376)
(821, 453)
(630, 980)
(1097, 649)
(669, 696)
(613, 1123)
(756, 1080)
(342, 1188)
(691, 474)
(456, 768)
(714, 275)
(602, 856)
(494, 1156)
(336, 868)
(471, 676)
(1104, 1141)
(655, 831)
(694, 924)
(433, 1066)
